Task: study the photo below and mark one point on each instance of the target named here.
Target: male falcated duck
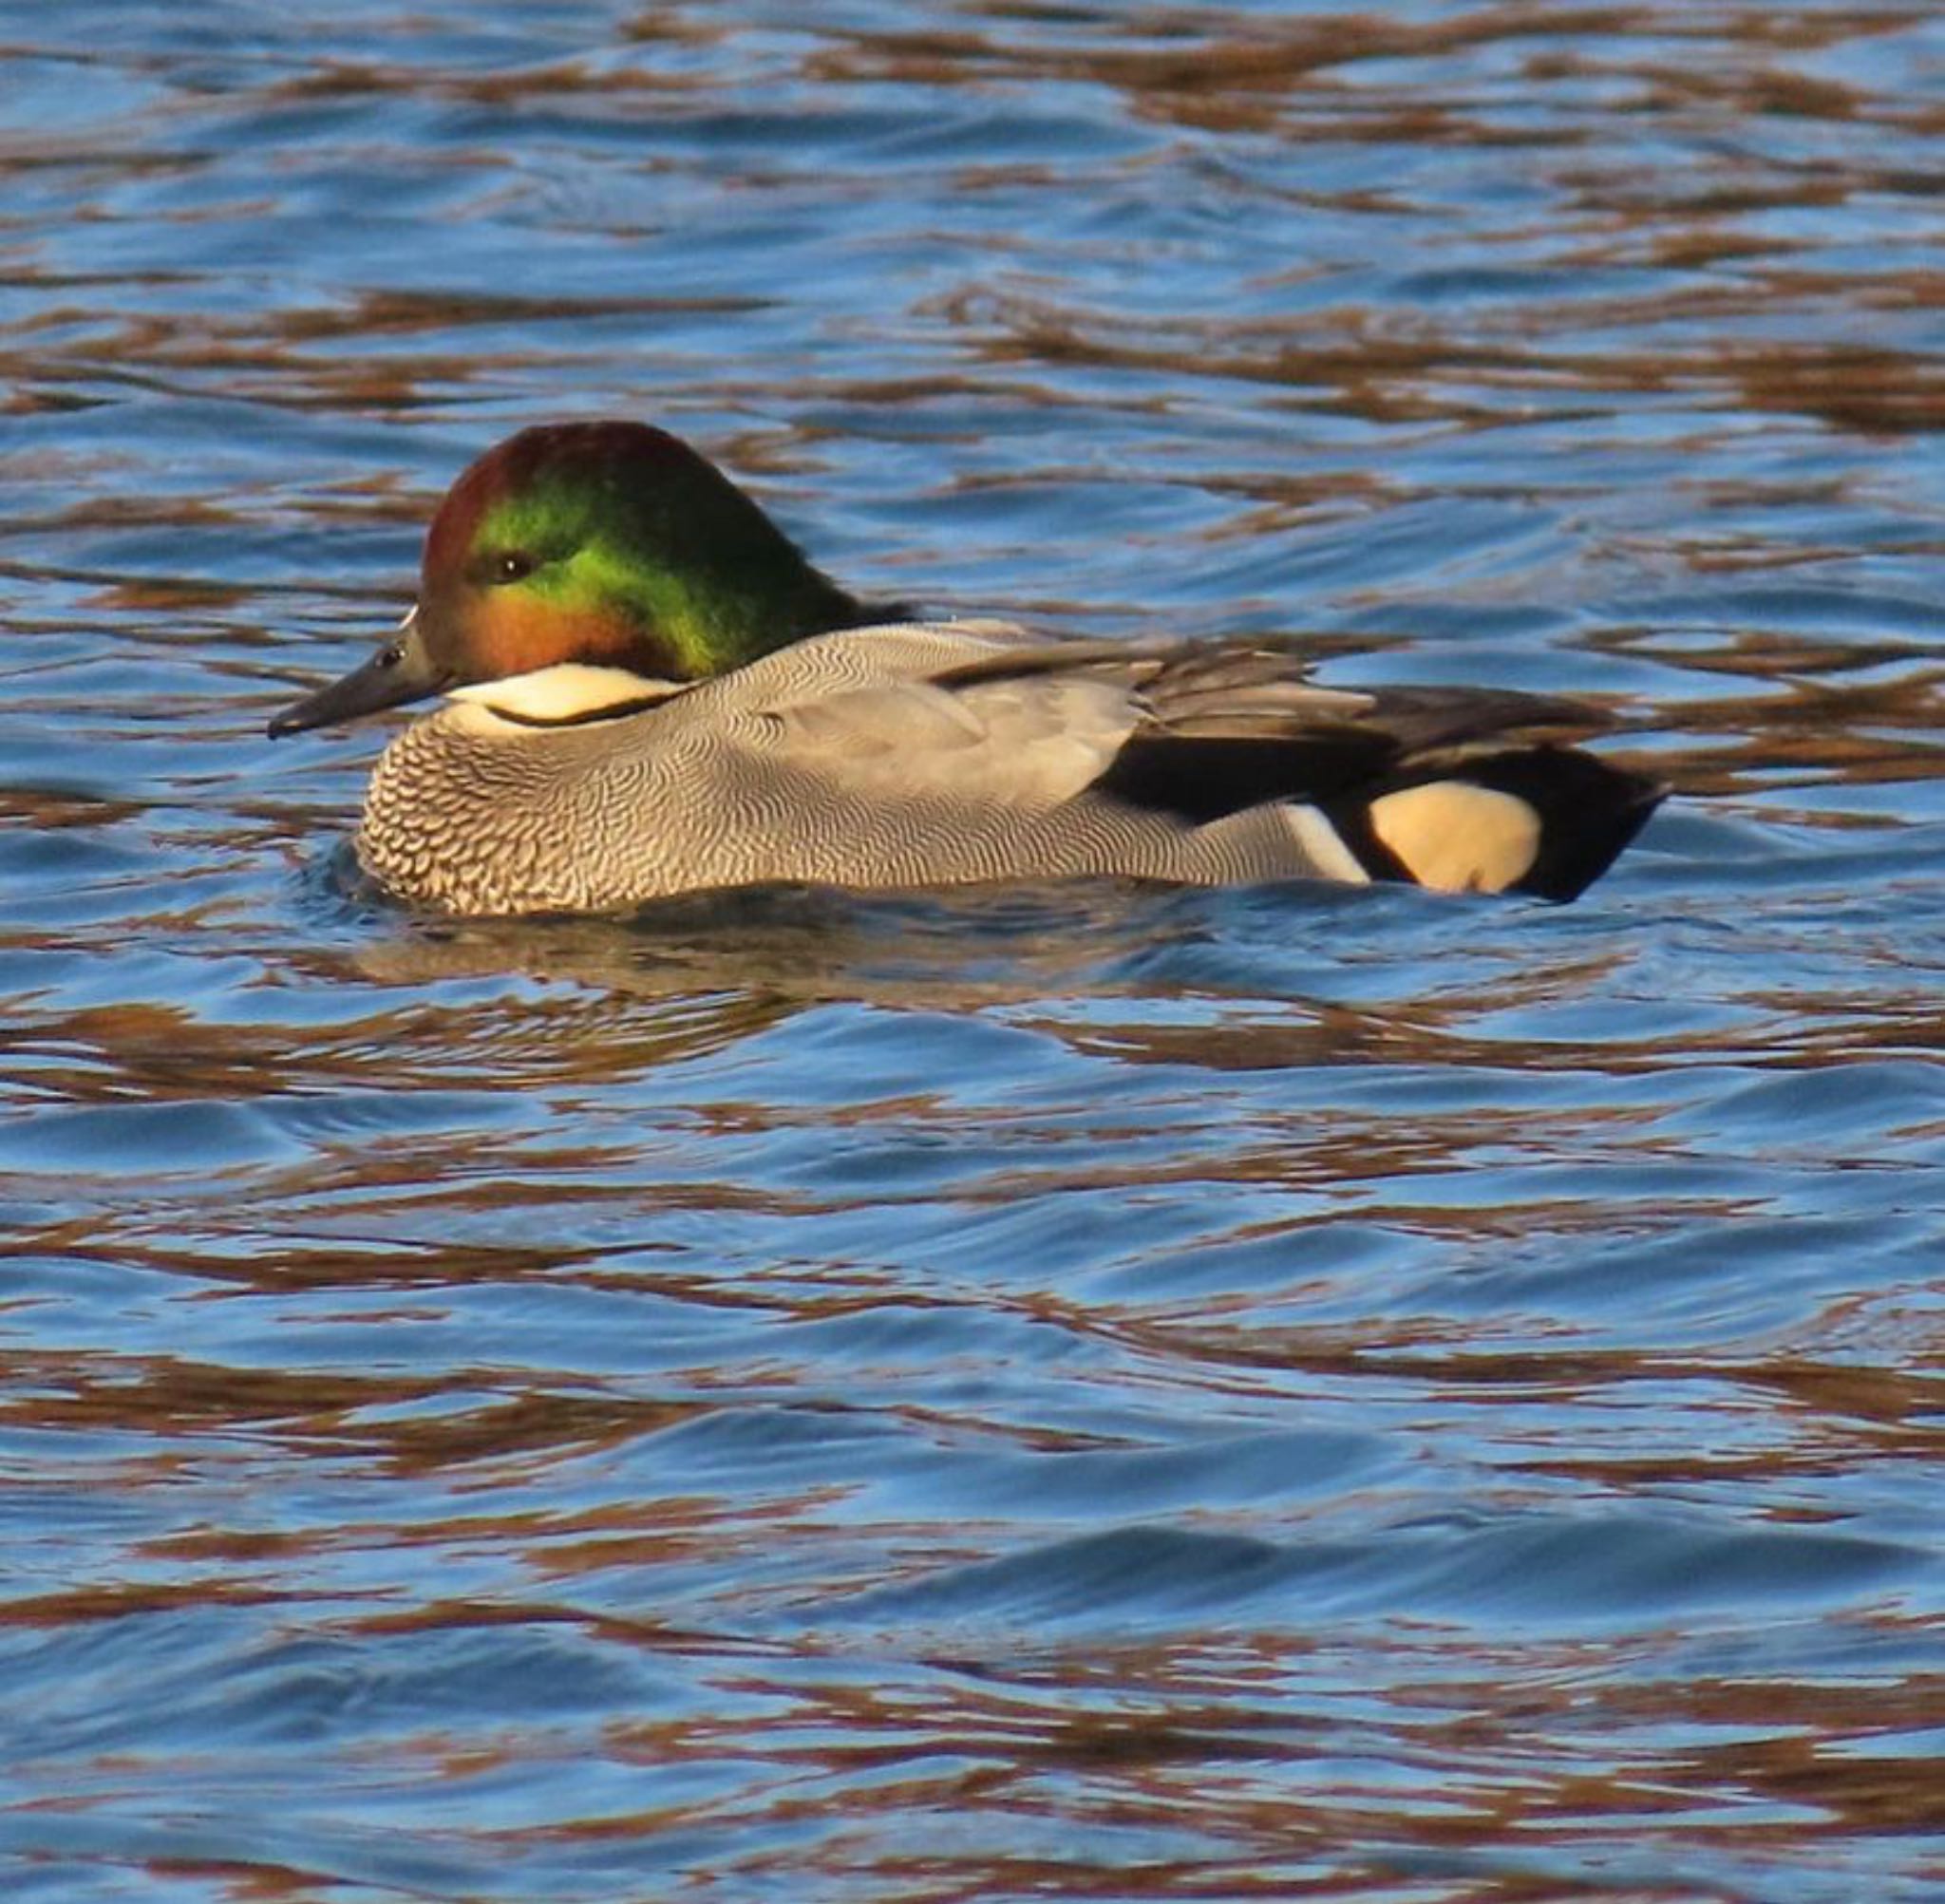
(651, 690)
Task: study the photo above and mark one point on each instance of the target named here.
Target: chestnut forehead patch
(454, 528)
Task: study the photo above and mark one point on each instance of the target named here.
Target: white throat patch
(569, 690)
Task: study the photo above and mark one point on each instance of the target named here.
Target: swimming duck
(649, 690)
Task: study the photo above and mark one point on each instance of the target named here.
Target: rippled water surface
(1092, 1392)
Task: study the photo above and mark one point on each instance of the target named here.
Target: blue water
(1073, 1393)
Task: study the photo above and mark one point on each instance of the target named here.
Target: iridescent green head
(610, 544)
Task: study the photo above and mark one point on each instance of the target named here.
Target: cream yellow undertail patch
(1458, 838)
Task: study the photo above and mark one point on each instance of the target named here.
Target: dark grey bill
(399, 672)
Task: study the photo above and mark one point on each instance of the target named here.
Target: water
(1064, 1393)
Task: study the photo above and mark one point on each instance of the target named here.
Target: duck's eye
(512, 567)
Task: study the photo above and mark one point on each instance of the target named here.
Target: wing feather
(983, 713)
(1033, 737)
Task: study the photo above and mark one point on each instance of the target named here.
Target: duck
(649, 690)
